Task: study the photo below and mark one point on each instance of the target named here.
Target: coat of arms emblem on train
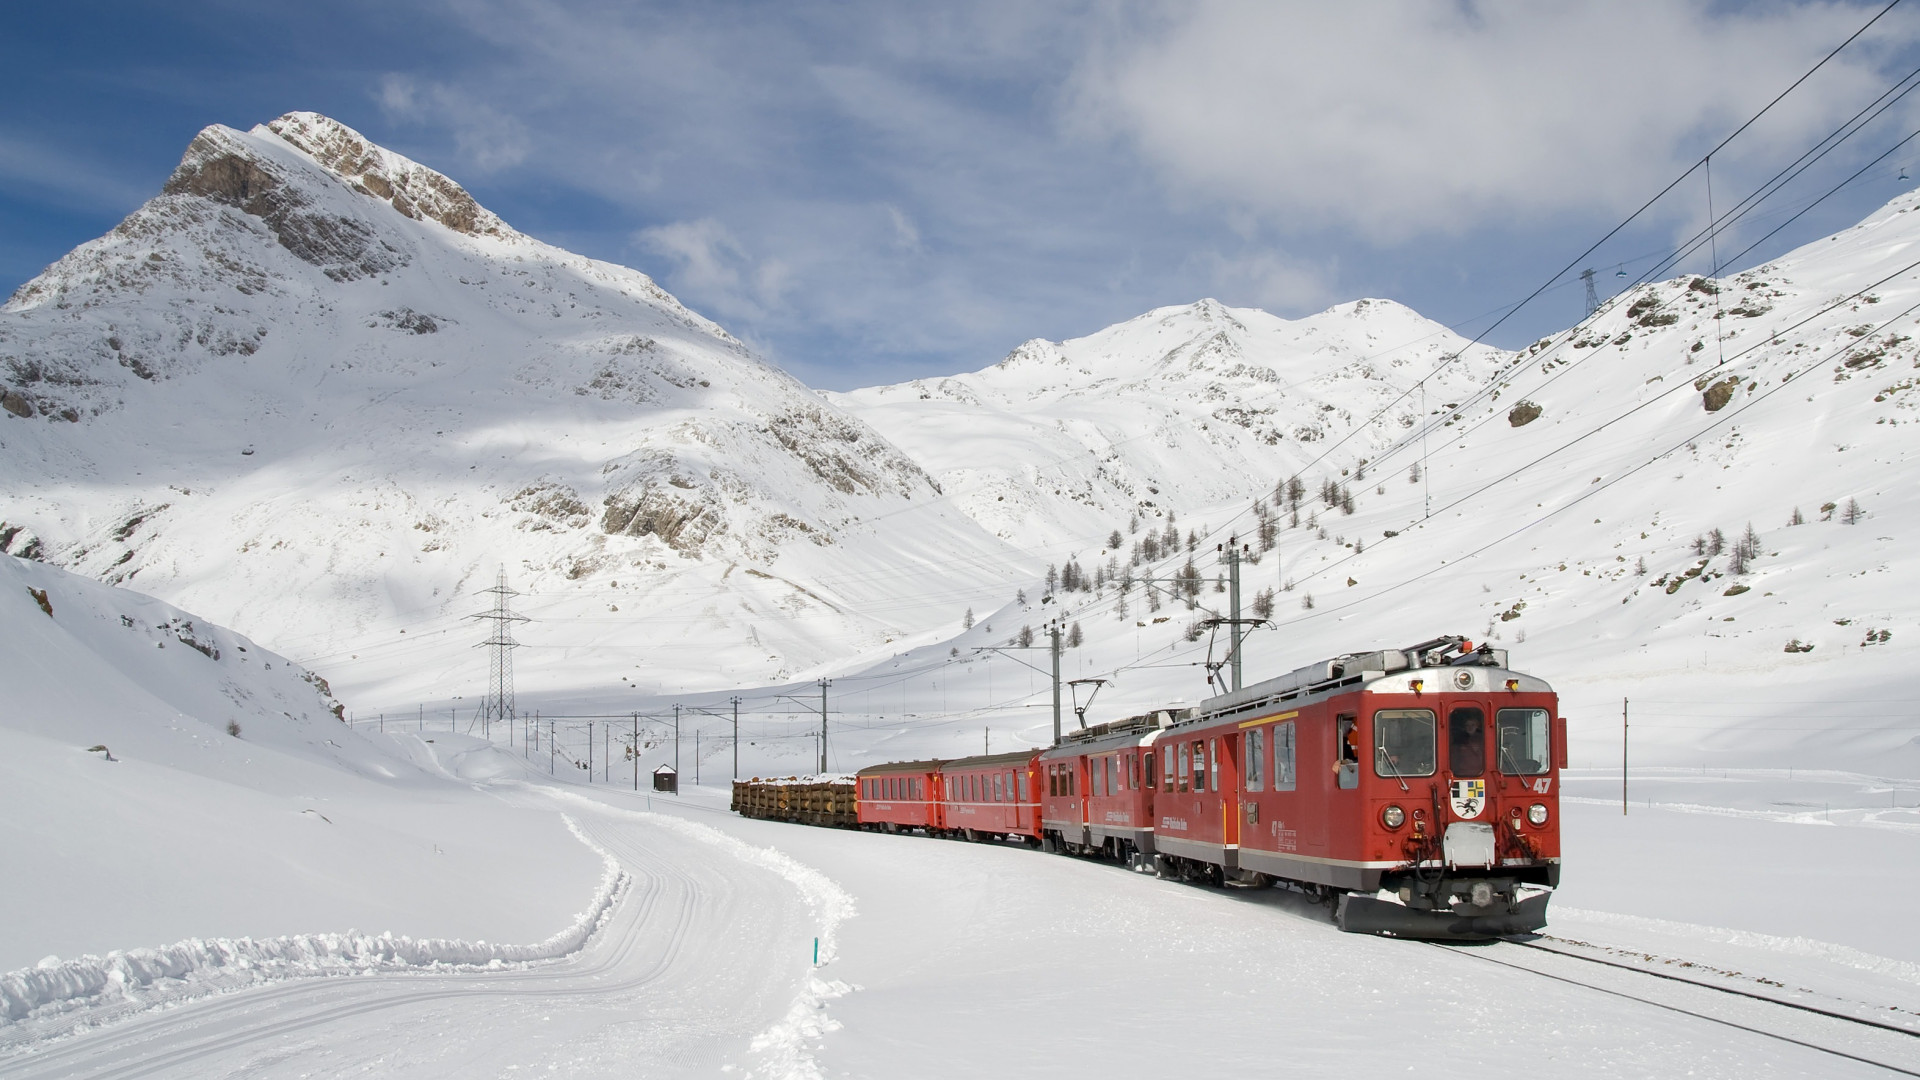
(1468, 797)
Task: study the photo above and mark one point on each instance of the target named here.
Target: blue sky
(875, 192)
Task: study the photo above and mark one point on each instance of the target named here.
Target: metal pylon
(499, 702)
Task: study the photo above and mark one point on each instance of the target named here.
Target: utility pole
(1593, 298)
(1233, 552)
(589, 751)
(499, 702)
(736, 737)
(676, 740)
(823, 726)
(552, 749)
(1053, 632)
(1623, 757)
(696, 757)
(633, 749)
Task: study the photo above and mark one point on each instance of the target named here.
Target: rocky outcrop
(219, 167)
(409, 187)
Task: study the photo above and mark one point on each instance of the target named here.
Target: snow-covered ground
(936, 956)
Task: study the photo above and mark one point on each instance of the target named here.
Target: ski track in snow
(785, 1044)
(145, 978)
(139, 997)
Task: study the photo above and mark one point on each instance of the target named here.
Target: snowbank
(197, 967)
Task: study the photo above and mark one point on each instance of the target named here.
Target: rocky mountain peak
(410, 187)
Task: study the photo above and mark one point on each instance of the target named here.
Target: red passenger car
(1429, 772)
(1097, 789)
(899, 796)
(991, 797)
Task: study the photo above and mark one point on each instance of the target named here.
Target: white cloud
(1402, 117)
(712, 268)
(1269, 279)
(486, 139)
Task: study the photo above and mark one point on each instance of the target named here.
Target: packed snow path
(972, 957)
(699, 966)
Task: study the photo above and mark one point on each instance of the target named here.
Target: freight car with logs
(1430, 774)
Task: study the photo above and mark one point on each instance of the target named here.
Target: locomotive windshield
(1403, 743)
(1521, 735)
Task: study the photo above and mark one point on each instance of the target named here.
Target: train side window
(1167, 781)
(1026, 788)
(1347, 745)
(1467, 741)
(1073, 780)
(1403, 743)
(1185, 753)
(1113, 773)
(1199, 765)
(1283, 756)
(1256, 745)
(1133, 772)
(1147, 767)
(1053, 782)
(1213, 761)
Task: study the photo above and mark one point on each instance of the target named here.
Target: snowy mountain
(1586, 501)
(318, 393)
(1179, 409)
(314, 390)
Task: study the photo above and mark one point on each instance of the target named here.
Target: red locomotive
(1429, 772)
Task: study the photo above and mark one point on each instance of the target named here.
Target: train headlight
(1537, 813)
(1393, 817)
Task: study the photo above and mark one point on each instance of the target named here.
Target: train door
(1319, 765)
(1230, 794)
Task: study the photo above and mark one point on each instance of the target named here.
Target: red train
(1431, 773)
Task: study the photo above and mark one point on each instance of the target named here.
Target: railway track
(1890, 1034)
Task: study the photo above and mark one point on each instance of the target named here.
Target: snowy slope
(234, 801)
(315, 391)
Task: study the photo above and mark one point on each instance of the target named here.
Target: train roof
(1384, 670)
(891, 767)
(987, 761)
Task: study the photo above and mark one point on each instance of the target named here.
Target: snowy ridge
(146, 977)
(314, 391)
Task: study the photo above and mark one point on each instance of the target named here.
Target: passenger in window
(1467, 742)
(1346, 766)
